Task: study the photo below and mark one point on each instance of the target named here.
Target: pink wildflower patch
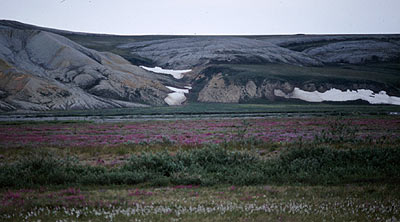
(187, 132)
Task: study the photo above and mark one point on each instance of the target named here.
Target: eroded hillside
(40, 70)
(44, 69)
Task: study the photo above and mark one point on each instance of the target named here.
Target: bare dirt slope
(40, 70)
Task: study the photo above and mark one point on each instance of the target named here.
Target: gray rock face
(356, 52)
(220, 90)
(45, 71)
(184, 53)
(217, 90)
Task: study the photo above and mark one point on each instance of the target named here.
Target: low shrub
(213, 165)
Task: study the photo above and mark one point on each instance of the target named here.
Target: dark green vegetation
(338, 153)
(5, 123)
(229, 110)
(211, 166)
(386, 73)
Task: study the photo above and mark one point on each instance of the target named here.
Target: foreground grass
(207, 184)
(197, 203)
(334, 177)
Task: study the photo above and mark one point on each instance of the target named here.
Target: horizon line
(200, 34)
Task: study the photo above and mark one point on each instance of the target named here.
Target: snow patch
(177, 74)
(337, 95)
(178, 90)
(177, 97)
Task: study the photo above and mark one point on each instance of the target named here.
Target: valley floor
(303, 168)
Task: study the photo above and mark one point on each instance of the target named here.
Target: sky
(201, 17)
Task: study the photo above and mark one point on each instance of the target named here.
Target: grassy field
(279, 169)
(194, 203)
(190, 109)
(211, 184)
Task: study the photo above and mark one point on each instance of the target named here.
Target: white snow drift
(177, 97)
(340, 96)
(177, 74)
(178, 90)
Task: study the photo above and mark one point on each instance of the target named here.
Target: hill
(44, 68)
(40, 70)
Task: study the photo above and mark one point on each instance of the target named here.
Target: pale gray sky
(208, 16)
